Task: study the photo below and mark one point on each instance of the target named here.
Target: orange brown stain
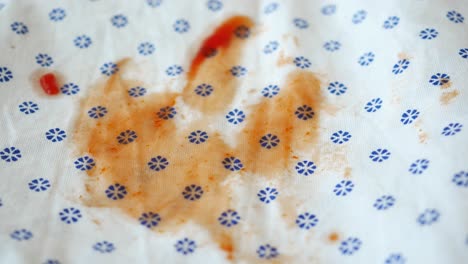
(446, 85)
(284, 60)
(333, 237)
(347, 172)
(403, 55)
(447, 97)
(201, 164)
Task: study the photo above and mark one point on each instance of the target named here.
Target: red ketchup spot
(49, 84)
(220, 39)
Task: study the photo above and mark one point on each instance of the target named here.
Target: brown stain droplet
(448, 97)
(333, 237)
(283, 60)
(198, 164)
(347, 172)
(447, 83)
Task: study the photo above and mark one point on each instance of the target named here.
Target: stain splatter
(347, 172)
(284, 60)
(447, 97)
(446, 83)
(157, 135)
(333, 237)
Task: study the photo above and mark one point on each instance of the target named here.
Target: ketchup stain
(162, 191)
(49, 84)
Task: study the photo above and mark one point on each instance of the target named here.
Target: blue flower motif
(463, 53)
(57, 14)
(379, 155)
(214, 5)
(428, 33)
(328, 10)
(104, 247)
(306, 221)
(302, 62)
(304, 112)
(198, 137)
(270, 91)
(109, 68)
(39, 185)
(439, 79)
(366, 59)
(119, 21)
(343, 188)
(116, 191)
(5, 74)
(359, 16)
(149, 219)
(19, 28)
(167, 112)
(192, 192)
(185, 246)
(154, 3)
(269, 141)
(174, 70)
(204, 89)
(455, 17)
(146, 48)
(400, 66)
(301, 23)
(44, 60)
(158, 163)
(229, 218)
(70, 89)
(232, 164)
(126, 137)
(51, 261)
(340, 137)
(395, 259)
(267, 195)
(55, 134)
(271, 46)
(350, 246)
(238, 71)
(270, 8)
(384, 202)
(305, 167)
(419, 166)
(137, 91)
(337, 88)
(84, 163)
(461, 179)
(82, 41)
(332, 45)
(428, 217)
(10, 154)
(373, 105)
(391, 22)
(70, 215)
(181, 26)
(242, 32)
(409, 116)
(267, 252)
(97, 112)
(21, 234)
(452, 129)
(235, 116)
(28, 107)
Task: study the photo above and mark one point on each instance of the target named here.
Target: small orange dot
(333, 237)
